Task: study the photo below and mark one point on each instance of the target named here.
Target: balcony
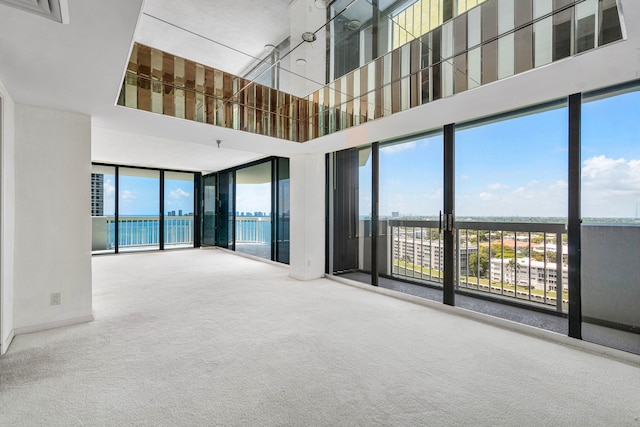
(140, 233)
(508, 260)
(253, 235)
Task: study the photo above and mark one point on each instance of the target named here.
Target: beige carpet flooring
(208, 338)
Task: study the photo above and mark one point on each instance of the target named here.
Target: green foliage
(484, 262)
(496, 251)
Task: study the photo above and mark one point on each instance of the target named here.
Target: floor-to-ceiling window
(411, 173)
(247, 209)
(610, 230)
(225, 214)
(138, 209)
(511, 205)
(283, 211)
(103, 209)
(178, 210)
(253, 210)
(350, 190)
(209, 184)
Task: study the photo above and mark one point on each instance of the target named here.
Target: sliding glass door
(209, 184)
(411, 195)
(253, 210)
(178, 210)
(138, 209)
(103, 208)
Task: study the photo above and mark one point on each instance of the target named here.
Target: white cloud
(497, 186)
(610, 187)
(392, 149)
(127, 195)
(109, 188)
(177, 194)
(485, 196)
(533, 198)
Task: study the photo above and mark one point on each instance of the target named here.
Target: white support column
(307, 219)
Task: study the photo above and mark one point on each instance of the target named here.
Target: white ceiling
(79, 68)
(225, 34)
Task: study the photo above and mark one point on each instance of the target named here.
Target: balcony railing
(513, 260)
(140, 231)
(251, 229)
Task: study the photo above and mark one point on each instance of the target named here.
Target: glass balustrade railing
(489, 42)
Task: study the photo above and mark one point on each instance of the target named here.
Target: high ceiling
(79, 67)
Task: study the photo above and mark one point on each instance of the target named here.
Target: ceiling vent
(56, 10)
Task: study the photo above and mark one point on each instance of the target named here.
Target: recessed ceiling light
(354, 25)
(301, 61)
(269, 47)
(308, 37)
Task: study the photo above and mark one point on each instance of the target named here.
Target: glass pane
(351, 205)
(610, 232)
(489, 21)
(253, 210)
(225, 213)
(506, 51)
(611, 159)
(209, 208)
(283, 212)
(411, 174)
(586, 15)
(524, 49)
(506, 11)
(562, 27)
(513, 171)
(364, 210)
(103, 204)
(178, 210)
(490, 62)
(474, 67)
(542, 40)
(513, 168)
(138, 209)
(610, 30)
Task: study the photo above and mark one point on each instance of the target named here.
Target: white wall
(307, 224)
(53, 220)
(7, 218)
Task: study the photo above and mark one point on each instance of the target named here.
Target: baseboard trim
(5, 345)
(619, 355)
(53, 325)
(253, 257)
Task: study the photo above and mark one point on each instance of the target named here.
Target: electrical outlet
(56, 298)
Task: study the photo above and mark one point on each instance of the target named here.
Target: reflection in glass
(178, 210)
(138, 209)
(103, 201)
(209, 209)
(253, 210)
(225, 210)
(351, 221)
(283, 211)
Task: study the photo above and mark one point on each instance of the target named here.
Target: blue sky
(518, 167)
(140, 195)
